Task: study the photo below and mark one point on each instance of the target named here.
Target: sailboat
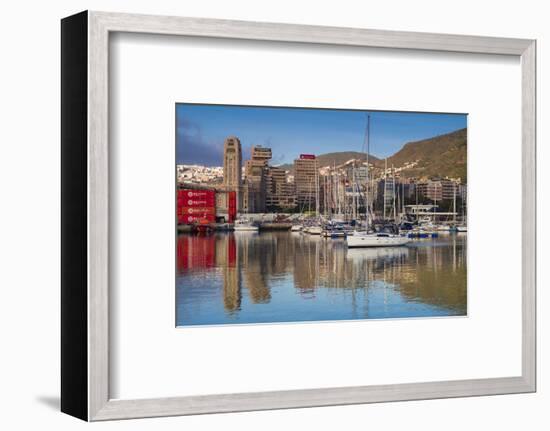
(377, 239)
(315, 227)
(315, 230)
(451, 227)
(461, 227)
(245, 225)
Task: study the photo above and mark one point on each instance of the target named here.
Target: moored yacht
(315, 230)
(378, 239)
(244, 225)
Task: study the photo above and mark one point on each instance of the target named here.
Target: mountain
(443, 155)
(337, 158)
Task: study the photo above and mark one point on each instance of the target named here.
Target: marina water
(267, 277)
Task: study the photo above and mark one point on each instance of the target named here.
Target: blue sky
(201, 130)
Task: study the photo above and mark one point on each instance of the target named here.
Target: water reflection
(285, 277)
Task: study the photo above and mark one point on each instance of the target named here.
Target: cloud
(280, 159)
(193, 148)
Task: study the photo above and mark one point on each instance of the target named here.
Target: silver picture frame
(85, 215)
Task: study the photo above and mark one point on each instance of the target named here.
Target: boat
(424, 230)
(417, 234)
(422, 233)
(244, 225)
(334, 230)
(203, 227)
(379, 239)
(296, 228)
(334, 233)
(337, 234)
(406, 226)
(387, 235)
(457, 227)
(314, 230)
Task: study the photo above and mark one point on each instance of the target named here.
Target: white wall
(29, 216)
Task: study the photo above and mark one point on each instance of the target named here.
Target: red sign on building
(198, 218)
(307, 156)
(205, 202)
(232, 207)
(198, 210)
(197, 194)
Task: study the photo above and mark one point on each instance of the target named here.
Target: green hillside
(339, 158)
(443, 155)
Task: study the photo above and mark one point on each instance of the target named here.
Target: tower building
(232, 166)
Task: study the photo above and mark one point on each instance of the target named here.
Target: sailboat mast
(367, 206)
(393, 188)
(385, 185)
(416, 194)
(398, 205)
(403, 198)
(435, 205)
(317, 192)
(309, 197)
(353, 198)
(339, 193)
(454, 203)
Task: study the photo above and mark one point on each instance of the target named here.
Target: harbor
(367, 204)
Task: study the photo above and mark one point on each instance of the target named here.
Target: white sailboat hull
(244, 225)
(375, 240)
(315, 230)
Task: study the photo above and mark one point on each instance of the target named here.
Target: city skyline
(202, 129)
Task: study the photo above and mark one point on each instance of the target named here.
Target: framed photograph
(265, 216)
(323, 220)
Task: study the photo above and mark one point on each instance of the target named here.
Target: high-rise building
(232, 163)
(260, 153)
(430, 190)
(306, 182)
(389, 193)
(449, 189)
(437, 189)
(254, 197)
(280, 192)
(356, 171)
